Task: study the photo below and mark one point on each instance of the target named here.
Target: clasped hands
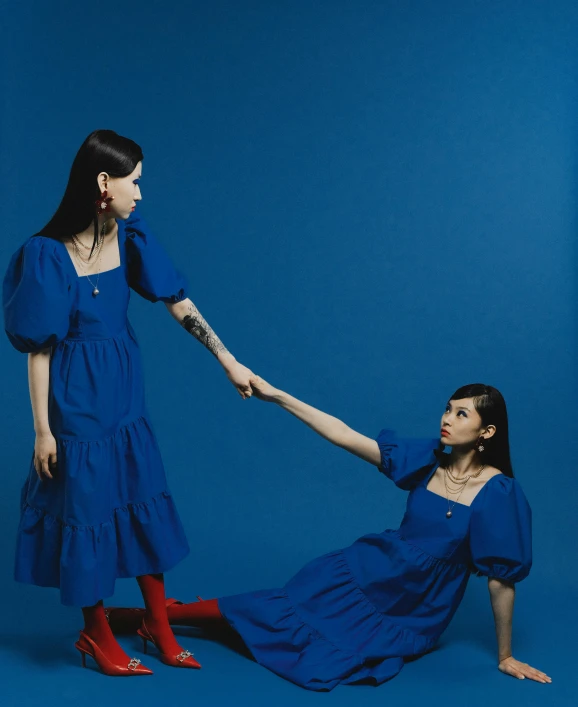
(244, 380)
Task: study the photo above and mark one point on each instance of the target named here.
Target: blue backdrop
(375, 204)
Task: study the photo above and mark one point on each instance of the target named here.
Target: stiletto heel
(183, 660)
(144, 644)
(87, 646)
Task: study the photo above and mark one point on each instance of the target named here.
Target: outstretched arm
(330, 428)
(502, 597)
(192, 320)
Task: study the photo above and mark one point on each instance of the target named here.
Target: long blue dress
(355, 614)
(108, 511)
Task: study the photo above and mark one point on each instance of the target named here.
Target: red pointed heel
(86, 646)
(183, 660)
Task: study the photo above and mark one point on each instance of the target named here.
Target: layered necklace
(459, 484)
(85, 261)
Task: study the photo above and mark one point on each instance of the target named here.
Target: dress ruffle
(332, 636)
(83, 547)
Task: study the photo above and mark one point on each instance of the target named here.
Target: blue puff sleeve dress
(354, 615)
(108, 511)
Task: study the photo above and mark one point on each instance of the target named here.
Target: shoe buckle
(133, 664)
(183, 655)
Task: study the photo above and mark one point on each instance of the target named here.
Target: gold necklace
(95, 290)
(79, 244)
(86, 260)
(462, 479)
(82, 262)
(458, 482)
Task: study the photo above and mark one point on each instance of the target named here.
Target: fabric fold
(63, 544)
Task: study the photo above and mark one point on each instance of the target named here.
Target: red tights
(155, 616)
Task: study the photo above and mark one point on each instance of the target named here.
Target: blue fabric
(108, 511)
(355, 615)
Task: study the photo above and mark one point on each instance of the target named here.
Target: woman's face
(462, 425)
(124, 190)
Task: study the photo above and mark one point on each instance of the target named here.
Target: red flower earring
(103, 204)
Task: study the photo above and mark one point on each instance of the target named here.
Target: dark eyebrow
(460, 407)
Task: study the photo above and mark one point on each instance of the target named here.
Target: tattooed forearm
(196, 325)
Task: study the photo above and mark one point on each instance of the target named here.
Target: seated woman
(356, 614)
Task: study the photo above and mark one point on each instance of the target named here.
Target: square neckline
(429, 477)
(102, 272)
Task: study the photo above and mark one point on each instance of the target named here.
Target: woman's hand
(44, 454)
(238, 374)
(513, 667)
(263, 390)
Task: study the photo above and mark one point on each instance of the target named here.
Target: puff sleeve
(406, 461)
(37, 295)
(501, 532)
(151, 272)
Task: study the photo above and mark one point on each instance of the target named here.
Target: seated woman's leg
(200, 614)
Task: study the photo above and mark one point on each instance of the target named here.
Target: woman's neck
(464, 461)
(103, 220)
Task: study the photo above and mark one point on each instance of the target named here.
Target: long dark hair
(102, 151)
(491, 407)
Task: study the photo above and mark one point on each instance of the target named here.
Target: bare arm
(330, 428)
(38, 384)
(189, 317)
(502, 597)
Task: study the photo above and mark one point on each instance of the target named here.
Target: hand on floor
(513, 667)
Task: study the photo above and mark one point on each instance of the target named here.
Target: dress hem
(53, 585)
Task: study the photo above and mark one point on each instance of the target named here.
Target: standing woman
(96, 505)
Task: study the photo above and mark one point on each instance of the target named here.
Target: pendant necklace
(449, 477)
(84, 262)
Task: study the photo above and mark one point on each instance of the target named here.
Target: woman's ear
(489, 432)
(102, 181)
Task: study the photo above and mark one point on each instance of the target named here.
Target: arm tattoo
(196, 325)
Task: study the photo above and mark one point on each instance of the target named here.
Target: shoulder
(41, 246)
(137, 236)
(499, 480)
(38, 258)
(505, 489)
(490, 472)
(31, 251)
(134, 226)
(406, 448)
(388, 436)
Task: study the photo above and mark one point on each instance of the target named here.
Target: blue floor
(40, 666)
